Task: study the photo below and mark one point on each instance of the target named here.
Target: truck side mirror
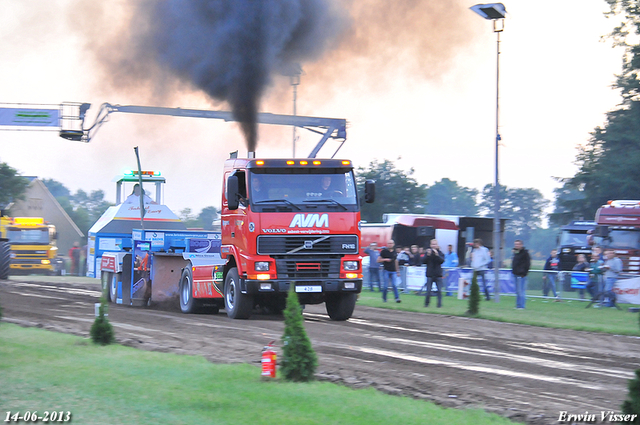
(232, 192)
(369, 191)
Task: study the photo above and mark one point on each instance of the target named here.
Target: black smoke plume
(227, 48)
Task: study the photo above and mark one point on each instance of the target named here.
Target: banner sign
(627, 291)
(26, 117)
(507, 283)
(416, 279)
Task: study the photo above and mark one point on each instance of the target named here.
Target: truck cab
(33, 244)
(574, 240)
(291, 222)
(619, 229)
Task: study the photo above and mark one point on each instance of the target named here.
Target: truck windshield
(28, 236)
(569, 238)
(320, 191)
(624, 239)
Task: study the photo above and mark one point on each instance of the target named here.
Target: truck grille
(309, 244)
(308, 268)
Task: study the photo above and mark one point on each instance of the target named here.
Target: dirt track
(526, 373)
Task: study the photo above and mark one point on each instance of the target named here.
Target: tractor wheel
(113, 288)
(340, 306)
(187, 303)
(5, 259)
(237, 304)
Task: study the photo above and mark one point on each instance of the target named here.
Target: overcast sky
(417, 86)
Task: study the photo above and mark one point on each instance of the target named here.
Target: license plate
(308, 288)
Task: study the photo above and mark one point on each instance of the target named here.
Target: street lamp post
(495, 12)
(294, 78)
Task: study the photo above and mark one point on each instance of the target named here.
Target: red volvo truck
(288, 222)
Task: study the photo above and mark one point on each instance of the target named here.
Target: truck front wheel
(237, 304)
(187, 303)
(340, 306)
(5, 259)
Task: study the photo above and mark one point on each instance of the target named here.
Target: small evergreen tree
(299, 361)
(631, 405)
(101, 330)
(474, 297)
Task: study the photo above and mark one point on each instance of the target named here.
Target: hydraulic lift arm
(333, 128)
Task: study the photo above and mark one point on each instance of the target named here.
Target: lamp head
(490, 11)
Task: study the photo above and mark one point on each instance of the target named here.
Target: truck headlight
(351, 265)
(45, 261)
(261, 266)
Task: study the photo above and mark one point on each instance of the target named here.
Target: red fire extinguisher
(268, 361)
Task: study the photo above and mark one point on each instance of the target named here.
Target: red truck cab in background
(619, 229)
(291, 222)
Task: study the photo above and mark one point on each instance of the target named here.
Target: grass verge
(539, 312)
(47, 371)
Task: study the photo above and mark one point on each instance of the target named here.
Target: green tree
(474, 296)
(523, 207)
(189, 220)
(299, 361)
(101, 330)
(83, 208)
(631, 406)
(447, 197)
(57, 189)
(609, 164)
(396, 190)
(12, 185)
(207, 216)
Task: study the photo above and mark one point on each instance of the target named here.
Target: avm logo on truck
(310, 220)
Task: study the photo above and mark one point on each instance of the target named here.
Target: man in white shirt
(480, 259)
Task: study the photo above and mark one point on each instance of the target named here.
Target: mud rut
(522, 372)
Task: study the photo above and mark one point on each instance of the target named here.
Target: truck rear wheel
(340, 306)
(187, 303)
(113, 288)
(237, 304)
(5, 259)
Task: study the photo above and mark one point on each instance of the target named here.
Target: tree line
(398, 191)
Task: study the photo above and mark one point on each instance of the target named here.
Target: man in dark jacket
(520, 265)
(434, 259)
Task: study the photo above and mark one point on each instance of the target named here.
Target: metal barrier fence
(568, 285)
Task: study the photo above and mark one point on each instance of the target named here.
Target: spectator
(450, 258)
(415, 259)
(403, 256)
(421, 252)
(594, 286)
(613, 268)
(433, 259)
(374, 266)
(480, 260)
(551, 267)
(391, 271)
(582, 266)
(74, 255)
(520, 264)
(490, 265)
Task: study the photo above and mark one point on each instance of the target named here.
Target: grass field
(539, 312)
(46, 371)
